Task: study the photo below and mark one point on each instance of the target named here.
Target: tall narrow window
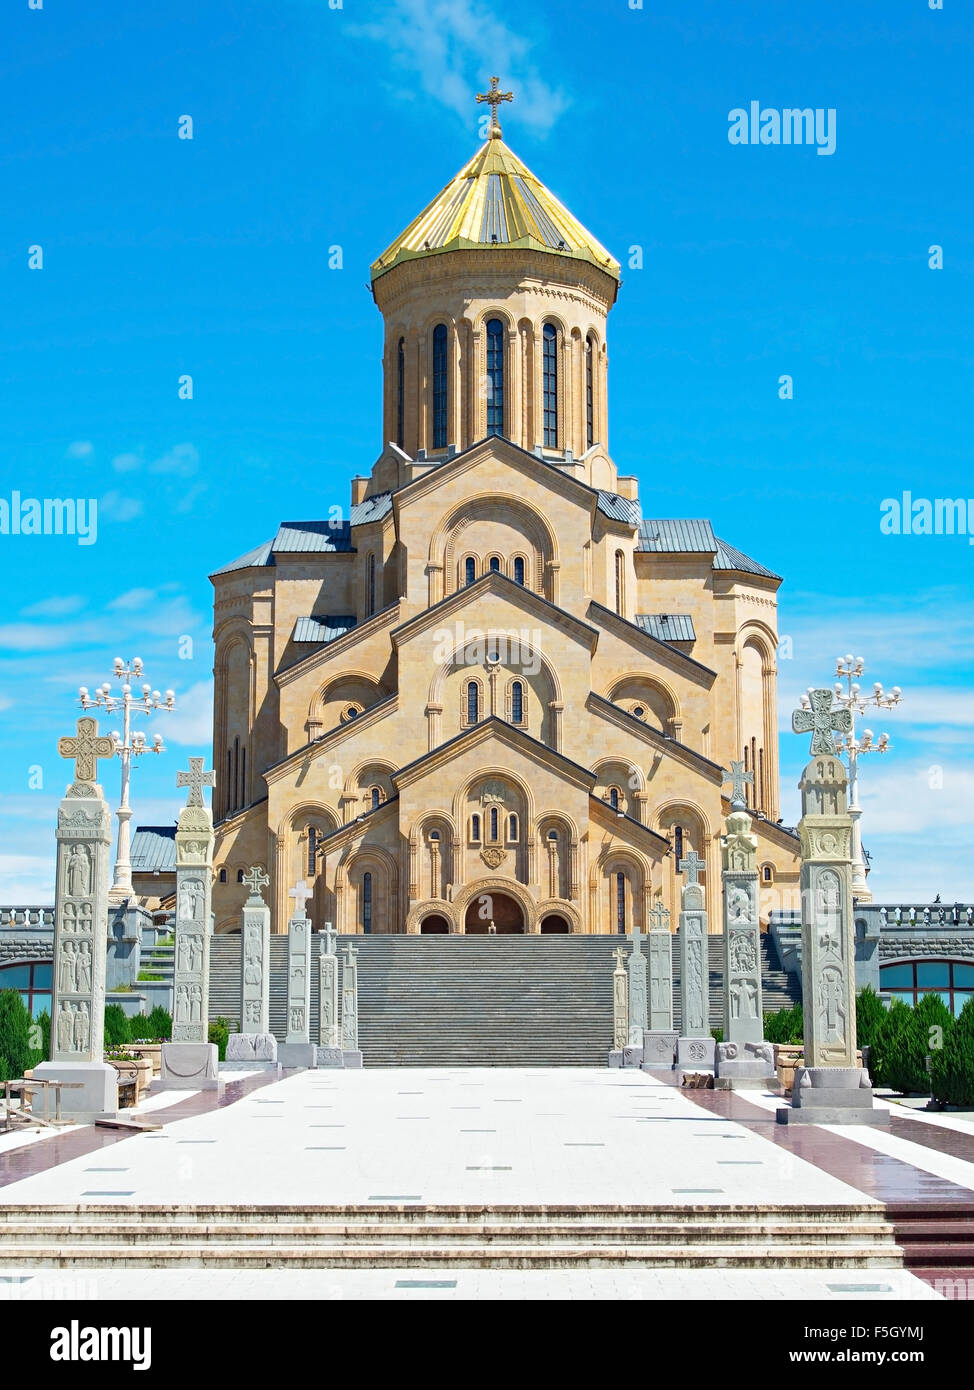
(549, 363)
(495, 564)
(517, 703)
(589, 392)
(518, 569)
(678, 843)
(473, 702)
(236, 774)
(312, 850)
(366, 903)
(243, 776)
(401, 392)
(469, 569)
(475, 829)
(493, 822)
(371, 586)
(620, 576)
(512, 827)
(439, 386)
(621, 904)
(228, 797)
(495, 377)
(376, 799)
(614, 798)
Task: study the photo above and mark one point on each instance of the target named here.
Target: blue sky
(316, 126)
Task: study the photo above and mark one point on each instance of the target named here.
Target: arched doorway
(555, 925)
(435, 925)
(500, 908)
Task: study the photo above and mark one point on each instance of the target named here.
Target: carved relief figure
(831, 1003)
(79, 872)
(81, 1028)
(84, 917)
(83, 952)
(182, 1002)
(191, 894)
(65, 1029)
(739, 905)
(252, 1009)
(296, 1017)
(694, 984)
(67, 976)
(196, 1003)
(742, 953)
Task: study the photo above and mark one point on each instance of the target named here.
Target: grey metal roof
(153, 847)
(323, 629)
(668, 627)
(678, 536)
(261, 555)
(728, 557)
(320, 536)
(619, 508)
(371, 509)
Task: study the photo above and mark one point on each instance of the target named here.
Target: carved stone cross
(822, 721)
(255, 881)
(351, 954)
(739, 778)
(620, 958)
(196, 779)
(86, 747)
(301, 893)
(691, 864)
(331, 937)
(659, 917)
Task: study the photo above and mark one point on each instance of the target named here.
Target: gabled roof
(502, 584)
(619, 508)
(668, 627)
(153, 848)
(322, 630)
(695, 536)
(318, 537)
(508, 733)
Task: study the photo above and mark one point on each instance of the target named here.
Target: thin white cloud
(80, 449)
(57, 606)
(133, 599)
(116, 506)
(126, 463)
(191, 723)
(181, 459)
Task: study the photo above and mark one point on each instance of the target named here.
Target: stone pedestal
(329, 1057)
(831, 1096)
(745, 1067)
(97, 1096)
(659, 1049)
(251, 1052)
(190, 1067)
(695, 1054)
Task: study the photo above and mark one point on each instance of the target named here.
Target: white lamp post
(128, 745)
(852, 746)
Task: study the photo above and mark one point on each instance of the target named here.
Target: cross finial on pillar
(86, 747)
(620, 958)
(255, 880)
(821, 721)
(301, 893)
(659, 917)
(196, 779)
(493, 98)
(691, 864)
(740, 779)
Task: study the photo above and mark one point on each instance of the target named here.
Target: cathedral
(495, 696)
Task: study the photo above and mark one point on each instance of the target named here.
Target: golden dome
(495, 200)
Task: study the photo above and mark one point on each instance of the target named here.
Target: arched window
(614, 798)
(366, 903)
(371, 587)
(552, 834)
(495, 377)
(493, 822)
(512, 827)
(312, 849)
(678, 842)
(376, 798)
(469, 570)
(240, 875)
(223, 875)
(518, 569)
(621, 904)
(32, 980)
(473, 702)
(401, 392)
(517, 703)
(589, 392)
(475, 829)
(767, 873)
(439, 386)
(495, 564)
(549, 360)
(620, 581)
(435, 835)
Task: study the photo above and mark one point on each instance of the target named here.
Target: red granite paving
(43, 1154)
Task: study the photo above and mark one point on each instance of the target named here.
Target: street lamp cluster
(128, 745)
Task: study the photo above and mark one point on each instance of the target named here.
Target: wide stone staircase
(478, 1000)
(441, 1238)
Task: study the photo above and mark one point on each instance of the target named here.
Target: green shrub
(42, 1027)
(150, 977)
(870, 1013)
(786, 1026)
(219, 1033)
(158, 1025)
(952, 1070)
(16, 1053)
(887, 1041)
(117, 1028)
(717, 1034)
(905, 1059)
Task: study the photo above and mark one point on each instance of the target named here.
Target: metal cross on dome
(86, 746)
(196, 779)
(821, 721)
(739, 779)
(691, 864)
(493, 98)
(255, 880)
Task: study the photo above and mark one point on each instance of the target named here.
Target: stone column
(84, 833)
(297, 1049)
(659, 1041)
(831, 1088)
(744, 1059)
(351, 1056)
(329, 1035)
(620, 1010)
(254, 1043)
(695, 1046)
(191, 1062)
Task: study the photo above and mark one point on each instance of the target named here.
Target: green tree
(952, 1070)
(886, 1041)
(42, 1024)
(926, 1028)
(785, 1026)
(16, 1053)
(219, 1033)
(870, 1014)
(117, 1030)
(158, 1025)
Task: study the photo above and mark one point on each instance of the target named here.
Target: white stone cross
(691, 865)
(739, 778)
(196, 779)
(331, 936)
(301, 893)
(620, 958)
(822, 721)
(86, 747)
(659, 917)
(255, 881)
(351, 954)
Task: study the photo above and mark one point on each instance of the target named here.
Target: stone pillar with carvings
(695, 1045)
(255, 1042)
(297, 1049)
(329, 1033)
(659, 1041)
(351, 1055)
